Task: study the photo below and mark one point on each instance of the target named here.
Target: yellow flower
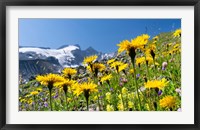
(68, 72)
(119, 66)
(155, 38)
(86, 87)
(39, 89)
(34, 93)
(131, 95)
(129, 47)
(152, 47)
(140, 60)
(29, 101)
(149, 59)
(120, 106)
(140, 40)
(167, 53)
(109, 108)
(108, 96)
(176, 46)
(89, 68)
(147, 106)
(120, 97)
(122, 67)
(23, 100)
(124, 91)
(90, 59)
(69, 99)
(49, 79)
(98, 67)
(131, 71)
(116, 64)
(177, 33)
(169, 44)
(175, 50)
(168, 102)
(65, 82)
(95, 98)
(106, 78)
(125, 46)
(160, 84)
(149, 52)
(110, 61)
(130, 104)
(157, 64)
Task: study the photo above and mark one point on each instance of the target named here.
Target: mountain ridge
(54, 60)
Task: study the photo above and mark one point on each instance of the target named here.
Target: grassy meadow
(144, 76)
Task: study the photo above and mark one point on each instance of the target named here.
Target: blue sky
(101, 34)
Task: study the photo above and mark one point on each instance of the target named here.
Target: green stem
(155, 99)
(66, 101)
(50, 99)
(87, 103)
(99, 102)
(96, 80)
(154, 66)
(147, 70)
(136, 85)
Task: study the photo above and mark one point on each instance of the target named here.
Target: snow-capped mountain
(40, 60)
(64, 55)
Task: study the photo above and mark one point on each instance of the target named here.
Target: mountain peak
(90, 49)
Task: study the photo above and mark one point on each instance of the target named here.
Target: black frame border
(4, 3)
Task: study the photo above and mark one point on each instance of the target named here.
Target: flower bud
(164, 65)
